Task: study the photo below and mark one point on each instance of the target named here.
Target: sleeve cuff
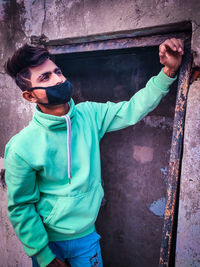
(45, 256)
(163, 81)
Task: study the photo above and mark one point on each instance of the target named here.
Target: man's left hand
(170, 52)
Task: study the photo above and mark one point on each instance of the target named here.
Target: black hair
(25, 57)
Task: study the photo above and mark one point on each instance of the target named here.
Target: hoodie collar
(53, 122)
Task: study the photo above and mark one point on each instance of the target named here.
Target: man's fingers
(178, 43)
(169, 44)
(162, 48)
(162, 51)
(181, 46)
(173, 44)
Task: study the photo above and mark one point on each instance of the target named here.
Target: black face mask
(57, 94)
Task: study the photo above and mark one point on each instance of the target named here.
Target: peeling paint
(143, 154)
(159, 122)
(158, 207)
(164, 171)
(168, 236)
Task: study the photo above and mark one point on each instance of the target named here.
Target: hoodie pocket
(75, 214)
(46, 207)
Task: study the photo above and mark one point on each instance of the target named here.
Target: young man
(53, 165)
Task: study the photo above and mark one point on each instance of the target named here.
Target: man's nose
(57, 79)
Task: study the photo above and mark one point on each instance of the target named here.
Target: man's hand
(57, 263)
(170, 52)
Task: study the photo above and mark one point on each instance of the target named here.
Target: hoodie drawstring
(68, 121)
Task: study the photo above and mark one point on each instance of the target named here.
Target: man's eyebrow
(57, 68)
(43, 74)
(47, 73)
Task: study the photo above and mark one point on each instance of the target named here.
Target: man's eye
(45, 77)
(58, 71)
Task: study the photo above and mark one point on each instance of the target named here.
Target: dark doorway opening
(134, 160)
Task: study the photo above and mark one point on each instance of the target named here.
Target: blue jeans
(80, 252)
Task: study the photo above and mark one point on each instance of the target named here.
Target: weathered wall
(21, 19)
(188, 245)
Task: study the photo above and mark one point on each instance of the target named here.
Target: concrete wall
(19, 20)
(188, 245)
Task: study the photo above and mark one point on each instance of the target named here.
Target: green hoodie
(44, 204)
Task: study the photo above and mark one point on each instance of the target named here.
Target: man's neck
(57, 110)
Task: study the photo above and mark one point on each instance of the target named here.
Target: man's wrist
(169, 72)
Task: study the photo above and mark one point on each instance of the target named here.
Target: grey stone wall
(188, 243)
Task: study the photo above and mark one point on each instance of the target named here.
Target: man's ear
(29, 96)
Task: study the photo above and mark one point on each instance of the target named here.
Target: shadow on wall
(2, 178)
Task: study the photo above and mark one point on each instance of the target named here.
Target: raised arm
(111, 116)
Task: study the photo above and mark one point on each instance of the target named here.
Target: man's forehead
(47, 66)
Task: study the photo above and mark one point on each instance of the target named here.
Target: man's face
(47, 74)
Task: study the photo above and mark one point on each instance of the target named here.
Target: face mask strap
(35, 88)
(44, 104)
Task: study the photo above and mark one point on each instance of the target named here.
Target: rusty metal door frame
(81, 45)
(167, 251)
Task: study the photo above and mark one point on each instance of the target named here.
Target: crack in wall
(44, 18)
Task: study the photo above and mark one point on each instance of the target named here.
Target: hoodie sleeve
(115, 116)
(22, 193)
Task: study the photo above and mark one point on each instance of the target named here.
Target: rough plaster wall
(75, 18)
(19, 19)
(11, 250)
(188, 242)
